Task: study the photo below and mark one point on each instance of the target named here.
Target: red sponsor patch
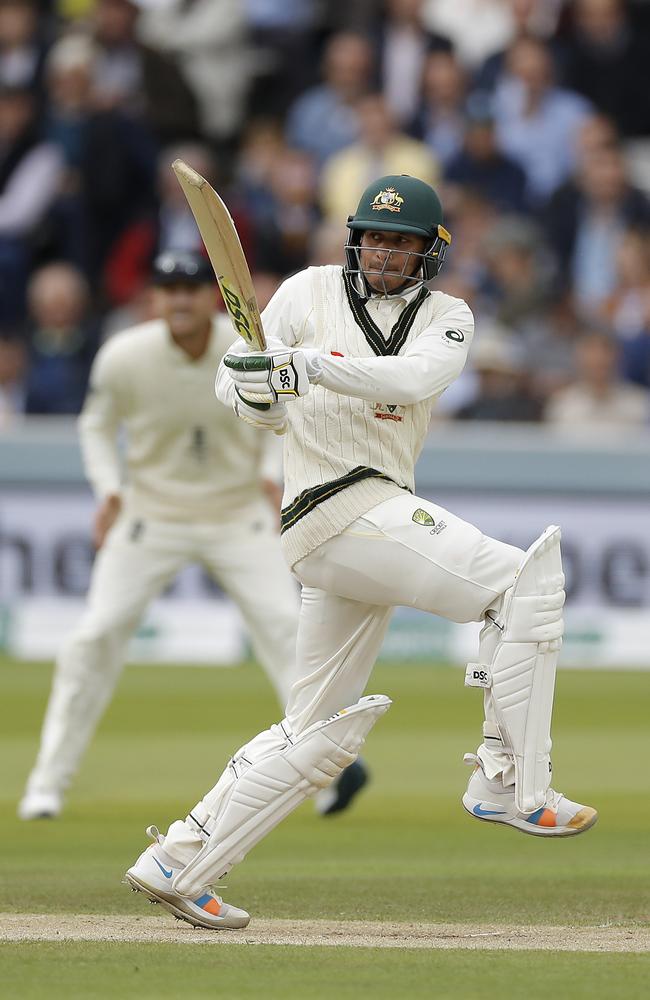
(384, 411)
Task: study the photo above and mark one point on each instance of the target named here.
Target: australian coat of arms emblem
(388, 198)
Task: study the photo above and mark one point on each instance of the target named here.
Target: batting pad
(521, 674)
(254, 795)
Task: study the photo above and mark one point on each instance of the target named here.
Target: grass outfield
(406, 852)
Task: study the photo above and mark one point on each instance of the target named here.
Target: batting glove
(271, 376)
(265, 416)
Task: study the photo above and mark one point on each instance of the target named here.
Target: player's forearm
(101, 457)
(403, 380)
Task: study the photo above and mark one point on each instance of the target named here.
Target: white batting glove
(265, 416)
(270, 376)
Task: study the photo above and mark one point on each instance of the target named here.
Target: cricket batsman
(356, 356)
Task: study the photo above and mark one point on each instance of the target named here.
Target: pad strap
(256, 794)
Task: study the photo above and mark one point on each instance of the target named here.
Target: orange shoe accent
(213, 906)
(548, 818)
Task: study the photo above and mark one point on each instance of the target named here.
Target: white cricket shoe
(40, 805)
(153, 874)
(491, 801)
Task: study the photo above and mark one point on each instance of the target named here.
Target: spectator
(403, 44)
(380, 149)
(549, 342)
(477, 28)
(481, 165)
(324, 119)
(599, 399)
(441, 119)
(12, 380)
(471, 219)
(586, 219)
(537, 122)
(22, 47)
(284, 52)
(628, 308)
(534, 18)
(283, 231)
(177, 229)
(519, 273)
(67, 125)
(30, 174)
(137, 79)
(62, 340)
(607, 60)
(207, 39)
(262, 145)
(69, 71)
(501, 382)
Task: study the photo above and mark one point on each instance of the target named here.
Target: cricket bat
(225, 252)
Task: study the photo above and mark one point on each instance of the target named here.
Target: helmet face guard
(401, 204)
(397, 263)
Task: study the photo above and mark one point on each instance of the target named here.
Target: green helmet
(403, 204)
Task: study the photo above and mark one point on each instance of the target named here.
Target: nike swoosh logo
(478, 811)
(167, 874)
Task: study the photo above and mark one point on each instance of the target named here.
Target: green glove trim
(247, 363)
(251, 402)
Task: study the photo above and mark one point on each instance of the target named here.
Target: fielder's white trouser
(138, 560)
(350, 585)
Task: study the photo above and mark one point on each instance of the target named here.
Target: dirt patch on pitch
(355, 934)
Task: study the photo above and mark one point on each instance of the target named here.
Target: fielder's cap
(182, 266)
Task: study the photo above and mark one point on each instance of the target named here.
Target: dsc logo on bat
(236, 309)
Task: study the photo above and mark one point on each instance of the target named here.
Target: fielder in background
(196, 493)
(356, 356)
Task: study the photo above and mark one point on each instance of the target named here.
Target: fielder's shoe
(40, 805)
(153, 874)
(489, 800)
(341, 792)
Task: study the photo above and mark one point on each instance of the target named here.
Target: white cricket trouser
(350, 585)
(352, 582)
(138, 560)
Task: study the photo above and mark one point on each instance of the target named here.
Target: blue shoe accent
(167, 874)
(478, 811)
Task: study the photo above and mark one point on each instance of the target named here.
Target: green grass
(92, 971)
(406, 851)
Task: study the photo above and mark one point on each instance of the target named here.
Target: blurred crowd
(531, 118)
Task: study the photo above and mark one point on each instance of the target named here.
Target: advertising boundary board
(46, 556)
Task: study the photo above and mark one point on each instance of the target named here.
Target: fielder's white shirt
(186, 457)
(353, 440)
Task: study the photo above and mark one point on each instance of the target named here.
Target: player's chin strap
(519, 651)
(265, 781)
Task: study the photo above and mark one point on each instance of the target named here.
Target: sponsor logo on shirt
(388, 411)
(424, 518)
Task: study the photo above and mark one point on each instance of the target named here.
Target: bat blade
(225, 252)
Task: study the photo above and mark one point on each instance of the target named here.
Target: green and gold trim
(374, 336)
(310, 498)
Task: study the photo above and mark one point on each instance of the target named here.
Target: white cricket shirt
(353, 440)
(186, 457)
